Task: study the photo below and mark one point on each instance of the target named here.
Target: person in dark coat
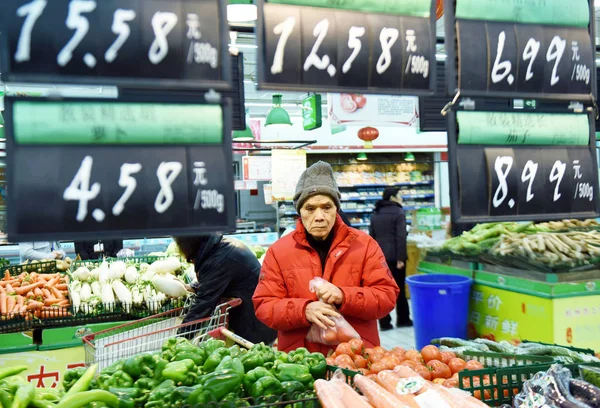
(388, 228)
(225, 268)
(109, 248)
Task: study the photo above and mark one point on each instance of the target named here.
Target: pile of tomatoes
(441, 367)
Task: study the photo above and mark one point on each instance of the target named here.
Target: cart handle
(221, 331)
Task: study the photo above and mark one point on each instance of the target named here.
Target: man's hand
(329, 293)
(319, 313)
(400, 265)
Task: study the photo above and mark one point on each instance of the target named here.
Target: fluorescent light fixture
(242, 13)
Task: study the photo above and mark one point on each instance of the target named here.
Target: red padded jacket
(355, 264)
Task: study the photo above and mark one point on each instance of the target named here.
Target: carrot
(25, 289)
(51, 282)
(30, 295)
(47, 294)
(54, 312)
(33, 305)
(389, 380)
(3, 305)
(20, 301)
(6, 275)
(378, 396)
(328, 396)
(64, 303)
(2, 290)
(10, 304)
(62, 286)
(47, 276)
(9, 289)
(8, 282)
(38, 292)
(50, 302)
(57, 293)
(348, 396)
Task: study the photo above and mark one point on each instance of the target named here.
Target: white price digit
(128, 183)
(167, 172)
(555, 52)
(122, 30)
(31, 11)
(354, 43)
(284, 30)
(79, 189)
(528, 175)
(556, 174)
(81, 25)
(313, 59)
(530, 53)
(387, 38)
(162, 24)
(501, 70)
(502, 174)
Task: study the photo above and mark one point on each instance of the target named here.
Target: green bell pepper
(308, 395)
(211, 345)
(169, 347)
(181, 372)
(196, 356)
(282, 356)
(214, 359)
(141, 365)
(52, 395)
(71, 376)
(252, 360)
(201, 398)
(266, 387)
(298, 355)
(292, 372)
(233, 400)
(292, 389)
(253, 375)
(231, 363)
(317, 365)
(130, 396)
(113, 368)
(221, 383)
(236, 351)
(159, 395)
(180, 396)
(119, 379)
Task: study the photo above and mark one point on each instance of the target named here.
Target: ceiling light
(409, 157)
(278, 116)
(242, 135)
(361, 157)
(240, 11)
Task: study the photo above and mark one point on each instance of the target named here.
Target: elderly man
(360, 286)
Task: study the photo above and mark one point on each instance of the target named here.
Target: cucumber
(492, 345)
(453, 342)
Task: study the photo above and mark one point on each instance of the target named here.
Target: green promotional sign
(108, 122)
(312, 115)
(414, 8)
(502, 128)
(574, 13)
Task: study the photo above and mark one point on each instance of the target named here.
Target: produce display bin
(39, 267)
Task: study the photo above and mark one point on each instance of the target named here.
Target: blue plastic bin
(440, 306)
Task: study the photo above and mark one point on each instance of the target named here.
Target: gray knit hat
(317, 179)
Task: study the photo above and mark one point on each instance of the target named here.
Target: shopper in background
(360, 286)
(388, 228)
(225, 268)
(98, 249)
(37, 251)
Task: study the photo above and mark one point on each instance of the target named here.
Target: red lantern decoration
(368, 134)
(439, 9)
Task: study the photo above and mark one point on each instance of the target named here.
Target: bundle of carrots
(34, 295)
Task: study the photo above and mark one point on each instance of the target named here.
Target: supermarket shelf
(407, 197)
(408, 183)
(418, 207)
(361, 224)
(288, 213)
(355, 211)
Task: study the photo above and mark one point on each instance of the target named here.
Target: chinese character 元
(411, 39)
(193, 23)
(575, 49)
(491, 322)
(577, 169)
(494, 302)
(475, 317)
(200, 173)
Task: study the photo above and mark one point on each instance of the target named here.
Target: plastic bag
(126, 253)
(341, 332)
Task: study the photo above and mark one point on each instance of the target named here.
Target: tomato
(378, 367)
(344, 348)
(347, 366)
(450, 383)
(439, 369)
(360, 100)
(361, 362)
(423, 372)
(431, 353)
(398, 354)
(364, 371)
(357, 346)
(343, 359)
(439, 381)
(344, 336)
(348, 103)
(379, 349)
(447, 356)
(374, 357)
(367, 352)
(372, 377)
(330, 336)
(473, 365)
(390, 362)
(409, 363)
(331, 361)
(413, 355)
(399, 350)
(489, 336)
(457, 364)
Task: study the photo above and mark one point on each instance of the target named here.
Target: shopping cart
(148, 334)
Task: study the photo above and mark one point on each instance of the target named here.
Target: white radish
(103, 272)
(75, 301)
(131, 275)
(86, 292)
(108, 297)
(166, 266)
(96, 289)
(95, 273)
(190, 273)
(137, 296)
(117, 270)
(144, 266)
(169, 285)
(123, 294)
(82, 273)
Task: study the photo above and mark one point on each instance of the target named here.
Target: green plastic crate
(40, 267)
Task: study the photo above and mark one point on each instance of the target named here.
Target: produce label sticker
(409, 385)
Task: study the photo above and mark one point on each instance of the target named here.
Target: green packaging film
(107, 122)
(502, 128)
(572, 13)
(413, 8)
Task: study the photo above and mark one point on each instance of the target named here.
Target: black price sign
(522, 182)
(126, 184)
(311, 48)
(149, 43)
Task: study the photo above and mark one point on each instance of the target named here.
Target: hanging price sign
(101, 169)
(153, 43)
(321, 49)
